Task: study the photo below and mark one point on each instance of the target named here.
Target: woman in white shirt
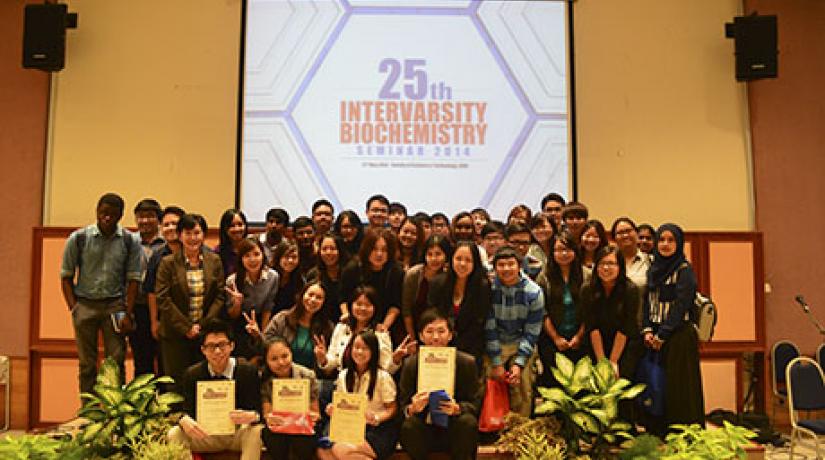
(362, 375)
(362, 317)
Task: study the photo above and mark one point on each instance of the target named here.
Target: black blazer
(465, 386)
(247, 386)
(468, 334)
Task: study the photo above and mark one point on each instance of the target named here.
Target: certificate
(436, 369)
(348, 423)
(290, 395)
(215, 400)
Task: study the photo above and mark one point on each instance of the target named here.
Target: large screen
(442, 105)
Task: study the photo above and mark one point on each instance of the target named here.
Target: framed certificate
(348, 423)
(215, 400)
(290, 395)
(436, 369)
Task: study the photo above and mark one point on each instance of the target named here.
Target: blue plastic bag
(651, 372)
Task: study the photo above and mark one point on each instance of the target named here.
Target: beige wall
(146, 106)
(152, 88)
(660, 118)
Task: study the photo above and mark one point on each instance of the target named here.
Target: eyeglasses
(213, 347)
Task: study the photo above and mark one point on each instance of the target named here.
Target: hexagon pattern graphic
(346, 99)
(291, 35)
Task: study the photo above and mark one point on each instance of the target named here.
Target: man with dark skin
(105, 258)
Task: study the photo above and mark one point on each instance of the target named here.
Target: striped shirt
(515, 317)
(668, 306)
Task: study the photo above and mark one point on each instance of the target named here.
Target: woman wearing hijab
(667, 328)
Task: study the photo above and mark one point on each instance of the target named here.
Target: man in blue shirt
(513, 327)
(106, 260)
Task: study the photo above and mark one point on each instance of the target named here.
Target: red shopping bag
(293, 423)
(495, 407)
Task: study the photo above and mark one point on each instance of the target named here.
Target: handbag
(495, 407)
(651, 372)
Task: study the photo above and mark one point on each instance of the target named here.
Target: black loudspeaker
(44, 35)
(756, 46)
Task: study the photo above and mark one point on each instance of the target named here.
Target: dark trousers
(144, 347)
(460, 438)
(178, 354)
(286, 446)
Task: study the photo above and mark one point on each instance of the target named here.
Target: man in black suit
(419, 437)
(217, 347)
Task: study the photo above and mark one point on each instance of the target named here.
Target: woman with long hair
(362, 317)
(332, 258)
(410, 243)
(611, 303)
(463, 293)
(279, 365)
(667, 329)
(285, 260)
(349, 227)
(233, 229)
(463, 227)
(301, 326)
(251, 293)
(542, 230)
(418, 279)
(376, 266)
(563, 329)
(593, 239)
(362, 374)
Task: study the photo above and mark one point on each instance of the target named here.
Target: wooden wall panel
(731, 269)
(720, 383)
(55, 319)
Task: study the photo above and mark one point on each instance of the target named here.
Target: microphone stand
(813, 319)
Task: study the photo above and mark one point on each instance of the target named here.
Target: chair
(820, 355)
(782, 353)
(806, 391)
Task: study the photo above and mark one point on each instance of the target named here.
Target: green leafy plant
(29, 447)
(587, 405)
(644, 447)
(119, 415)
(695, 442)
(532, 439)
(42, 447)
(158, 447)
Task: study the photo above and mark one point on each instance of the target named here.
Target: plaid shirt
(194, 280)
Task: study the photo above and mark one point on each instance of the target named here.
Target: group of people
(345, 304)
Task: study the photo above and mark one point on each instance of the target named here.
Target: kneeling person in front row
(215, 428)
(419, 435)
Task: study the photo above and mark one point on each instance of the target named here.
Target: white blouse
(339, 341)
(384, 389)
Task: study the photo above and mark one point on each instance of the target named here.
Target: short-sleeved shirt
(104, 264)
(298, 372)
(384, 392)
(148, 249)
(150, 278)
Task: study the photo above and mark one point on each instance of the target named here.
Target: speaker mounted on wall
(755, 39)
(44, 35)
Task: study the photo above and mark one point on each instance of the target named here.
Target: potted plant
(121, 415)
(587, 404)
